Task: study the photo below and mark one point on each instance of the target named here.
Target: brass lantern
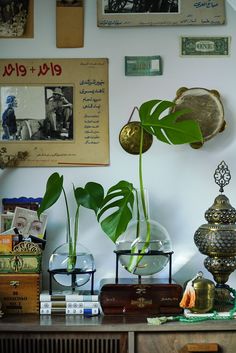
(217, 238)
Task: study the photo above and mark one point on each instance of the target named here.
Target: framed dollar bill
(204, 46)
(118, 13)
(56, 110)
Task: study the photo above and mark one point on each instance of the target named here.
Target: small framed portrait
(28, 224)
(6, 221)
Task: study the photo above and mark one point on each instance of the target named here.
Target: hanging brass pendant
(130, 138)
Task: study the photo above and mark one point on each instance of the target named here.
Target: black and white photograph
(141, 6)
(128, 13)
(13, 17)
(36, 113)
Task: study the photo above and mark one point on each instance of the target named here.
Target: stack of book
(68, 303)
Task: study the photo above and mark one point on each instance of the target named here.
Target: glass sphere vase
(141, 254)
(60, 265)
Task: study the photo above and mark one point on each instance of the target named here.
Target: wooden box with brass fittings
(140, 299)
(19, 293)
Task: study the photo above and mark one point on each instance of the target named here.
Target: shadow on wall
(190, 268)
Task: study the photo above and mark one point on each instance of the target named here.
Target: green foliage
(120, 199)
(168, 129)
(114, 211)
(90, 197)
(53, 191)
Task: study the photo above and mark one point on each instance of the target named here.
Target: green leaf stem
(166, 129)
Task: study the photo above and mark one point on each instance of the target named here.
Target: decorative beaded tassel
(189, 296)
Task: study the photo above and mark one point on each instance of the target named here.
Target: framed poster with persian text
(117, 13)
(56, 110)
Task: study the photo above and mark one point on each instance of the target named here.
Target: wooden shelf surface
(69, 323)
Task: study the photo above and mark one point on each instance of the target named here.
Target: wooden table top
(70, 323)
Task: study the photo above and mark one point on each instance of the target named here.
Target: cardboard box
(6, 242)
(19, 294)
(70, 25)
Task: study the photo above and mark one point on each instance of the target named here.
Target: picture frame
(21, 24)
(28, 224)
(119, 13)
(5, 221)
(60, 108)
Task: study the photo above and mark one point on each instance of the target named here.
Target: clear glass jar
(143, 237)
(84, 265)
(70, 258)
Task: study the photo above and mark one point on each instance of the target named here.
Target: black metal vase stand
(150, 253)
(73, 275)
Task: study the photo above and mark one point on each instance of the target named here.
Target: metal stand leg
(73, 278)
(92, 283)
(170, 267)
(117, 265)
(50, 283)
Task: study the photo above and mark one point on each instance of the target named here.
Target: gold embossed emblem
(141, 302)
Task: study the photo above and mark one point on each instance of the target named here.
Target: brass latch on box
(14, 283)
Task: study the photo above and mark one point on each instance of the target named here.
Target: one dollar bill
(205, 46)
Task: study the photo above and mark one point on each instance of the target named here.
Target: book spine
(45, 297)
(69, 298)
(64, 304)
(83, 311)
(85, 305)
(81, 298)
(70, 311)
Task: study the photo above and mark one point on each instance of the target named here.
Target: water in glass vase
(143, 247)
(83, 265)
(144, 264)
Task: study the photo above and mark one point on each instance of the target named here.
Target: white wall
(179, 179)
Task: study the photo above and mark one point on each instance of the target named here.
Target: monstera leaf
(119, 200)
(91, 196)
(53, 191)
(167, 128)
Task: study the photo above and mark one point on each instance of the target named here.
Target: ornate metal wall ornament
(130, 136)
(217, 238)
(222, 176)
